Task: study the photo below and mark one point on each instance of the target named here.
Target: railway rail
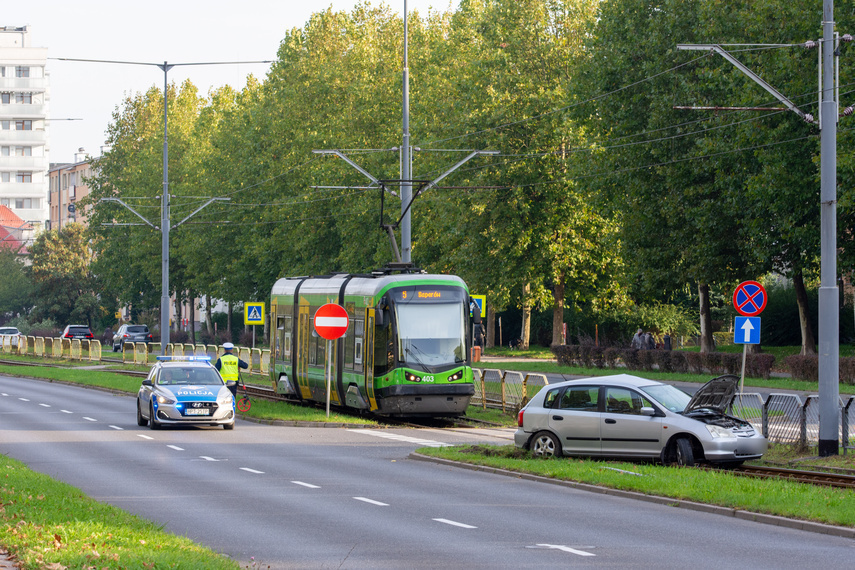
(837, 480)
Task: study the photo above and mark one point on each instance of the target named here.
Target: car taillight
(89, 335)
(68, 335)
(520, 418)
(126, 335)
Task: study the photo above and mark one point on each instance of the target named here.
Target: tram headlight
(456, 376)
(413, 378)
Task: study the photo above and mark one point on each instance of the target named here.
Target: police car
(185, 391)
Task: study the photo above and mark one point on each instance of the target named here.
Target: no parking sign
(749, 299)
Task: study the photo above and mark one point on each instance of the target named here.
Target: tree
(16, 287)
(66, 291)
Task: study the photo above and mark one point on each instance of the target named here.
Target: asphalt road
(350, 498)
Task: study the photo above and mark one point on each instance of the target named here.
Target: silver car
(185, 391)
(9, 335)
(630, 417)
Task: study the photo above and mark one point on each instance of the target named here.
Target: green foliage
(666, 319)
(16, 287)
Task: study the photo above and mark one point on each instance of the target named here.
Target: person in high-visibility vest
(229, 366)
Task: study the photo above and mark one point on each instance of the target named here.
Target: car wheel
(115, 348)
(141, 421)
(545, 444)
(229, 426)
(685, 455)
(154, 423)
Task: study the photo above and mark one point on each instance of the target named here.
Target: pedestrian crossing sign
(253, 313)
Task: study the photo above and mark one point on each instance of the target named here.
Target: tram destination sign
(331, 321)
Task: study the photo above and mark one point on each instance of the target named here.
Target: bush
(803, 367)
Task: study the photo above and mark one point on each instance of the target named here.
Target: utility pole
(829, 336)
(406, 157)
(164, 199)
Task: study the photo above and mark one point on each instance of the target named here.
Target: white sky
(177, 31)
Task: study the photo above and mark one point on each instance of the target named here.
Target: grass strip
(714, 487)
(48, 524)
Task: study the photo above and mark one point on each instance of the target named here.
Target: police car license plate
(197, 412)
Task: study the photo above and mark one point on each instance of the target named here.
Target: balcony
(14, 111)
(37, 137)
(37, 84)
(12, 163)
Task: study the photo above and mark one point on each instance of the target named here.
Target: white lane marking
(23, 399)
(175, 447)
(405, 438)
(252, 471)
(89, 419)
(371, 501)
(118, 428)
(206, 458)
(454, 523)
(4, 394)
(309, 485)
(45, 405)
(567, 549)
(144, 436)
(66, 412)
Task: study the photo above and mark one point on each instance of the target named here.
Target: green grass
(48, 524)
(776, 497)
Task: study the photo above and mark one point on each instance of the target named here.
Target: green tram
(406, 351)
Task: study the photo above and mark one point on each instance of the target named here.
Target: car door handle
(611, 421)
(559, 418)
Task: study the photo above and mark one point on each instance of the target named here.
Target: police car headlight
(164, 400)
(225, 400)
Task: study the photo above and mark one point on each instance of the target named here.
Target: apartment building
(24, 132)
(67, 186)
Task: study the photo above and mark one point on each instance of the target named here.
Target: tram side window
(313, 348)
(349, 346)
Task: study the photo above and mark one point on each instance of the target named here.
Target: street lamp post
(164, 200)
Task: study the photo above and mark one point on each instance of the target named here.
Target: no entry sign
(749, 299)
(331, 321)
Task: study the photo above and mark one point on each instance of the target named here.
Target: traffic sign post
(749, 300)
(253, 314)
(330, 323)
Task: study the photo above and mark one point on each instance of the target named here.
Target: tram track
(837, 480)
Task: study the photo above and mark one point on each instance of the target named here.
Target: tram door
(368, 352)
(302, 355)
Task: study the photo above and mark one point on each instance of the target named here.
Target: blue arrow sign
(746, 330)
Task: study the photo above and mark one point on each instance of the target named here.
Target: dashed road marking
(252, 471)
(175, 447)
(371, 501)
(404, 438)
(206, 458)
(66, 412)
(117, 428)
(309, 485)
(23, 399)
(88, 419)
(45, 405)
(455, 523)
(566, 549)
(144, 436)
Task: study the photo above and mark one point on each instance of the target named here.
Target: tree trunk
(209, 319)
(192, 318)
(808, 339)
(525, 332)
(707, 342)
(176, 323)
(558, 311)
(491, 326)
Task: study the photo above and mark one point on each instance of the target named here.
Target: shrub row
(807, 368)
(756, 365)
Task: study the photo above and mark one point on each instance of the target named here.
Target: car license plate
(197, 412)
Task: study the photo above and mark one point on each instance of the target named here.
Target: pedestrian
(229, 366)
(650, 342)
(637, 340)
(480, 335)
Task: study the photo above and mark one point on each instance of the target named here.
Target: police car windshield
(186, 375)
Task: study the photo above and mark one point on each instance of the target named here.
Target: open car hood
(715, 394)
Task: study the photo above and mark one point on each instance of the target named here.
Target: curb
(775, 520)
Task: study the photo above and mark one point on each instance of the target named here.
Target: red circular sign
(331, 321)
(749, 299)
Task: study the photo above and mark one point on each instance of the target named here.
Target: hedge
(807, 368)
(756, 365)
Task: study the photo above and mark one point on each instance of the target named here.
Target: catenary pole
(164, 220)
(406, 159)
(829, 335)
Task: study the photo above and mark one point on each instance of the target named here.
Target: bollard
(476, 353)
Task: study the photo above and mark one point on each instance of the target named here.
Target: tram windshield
(431, 334)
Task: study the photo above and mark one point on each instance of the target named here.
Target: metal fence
(506, 390)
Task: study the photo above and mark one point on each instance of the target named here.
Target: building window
(24, 177)
(4, 151)
(23, 125)
(23, 151)
(26, 203)
(5, 177)
(6, 98)
(6, 125)
(22, 71)
(24, 98)
(4, 202)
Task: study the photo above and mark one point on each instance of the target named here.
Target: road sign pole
(744, 358)
(329, 375)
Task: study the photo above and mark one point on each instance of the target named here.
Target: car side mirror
(146, 382)
(647, 411)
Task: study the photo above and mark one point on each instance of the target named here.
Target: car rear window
(138, 329)
(78, 330)
(8, 331)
